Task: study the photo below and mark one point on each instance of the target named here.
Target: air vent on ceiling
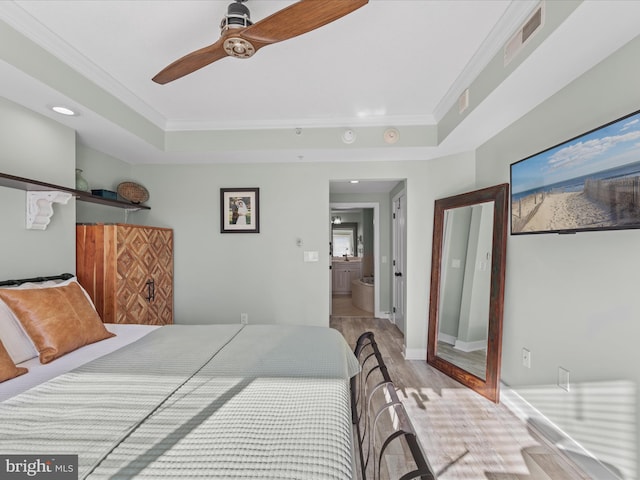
(532, 25)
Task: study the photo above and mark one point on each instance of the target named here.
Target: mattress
(39, 373)
(205, 401)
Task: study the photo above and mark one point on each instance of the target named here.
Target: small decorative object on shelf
(81, 183)
(133, 192)
(105, 194)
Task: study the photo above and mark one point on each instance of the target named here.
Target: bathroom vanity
(344, 272)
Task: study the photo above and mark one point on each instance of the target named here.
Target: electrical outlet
(244, 318)
(563, 378)
(526, 358)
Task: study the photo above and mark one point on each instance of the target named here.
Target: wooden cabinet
(342, 275)
(128, 271)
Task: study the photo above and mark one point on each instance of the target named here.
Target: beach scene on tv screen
(590, 182)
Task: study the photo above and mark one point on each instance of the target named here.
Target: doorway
(377, 195)
(355, 240)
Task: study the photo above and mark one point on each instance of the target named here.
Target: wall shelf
(29, 185)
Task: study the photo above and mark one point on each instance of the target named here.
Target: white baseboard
(448, 339)
(470, 346)
(415, 354)
(534, 419)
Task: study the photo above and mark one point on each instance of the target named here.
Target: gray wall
(35, 147)
(218, 276)
(572, 299)
(102, 172)
(477, 282)
(456, 247)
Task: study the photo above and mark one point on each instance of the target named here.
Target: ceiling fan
(241, 38)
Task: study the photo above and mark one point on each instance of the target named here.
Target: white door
(399, 263)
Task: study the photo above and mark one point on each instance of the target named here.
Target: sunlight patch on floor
(471, 433)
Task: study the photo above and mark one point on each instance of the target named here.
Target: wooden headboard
(8, 283)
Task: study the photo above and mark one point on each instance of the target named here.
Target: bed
(189, 401)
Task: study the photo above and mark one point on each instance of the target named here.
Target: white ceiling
(391, 63)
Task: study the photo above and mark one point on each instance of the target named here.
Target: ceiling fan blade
(191, 62)
(299, 18)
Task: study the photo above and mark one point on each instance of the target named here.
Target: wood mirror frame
(488, 387)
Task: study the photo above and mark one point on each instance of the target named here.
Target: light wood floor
(341, 306)
(463, 435)
(474, 362)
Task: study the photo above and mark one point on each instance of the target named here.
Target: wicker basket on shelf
(133, 192)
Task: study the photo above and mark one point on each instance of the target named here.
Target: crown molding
(27, 25)
(374, 121)
(513, 17)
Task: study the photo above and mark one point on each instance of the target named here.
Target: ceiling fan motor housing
(238, 16)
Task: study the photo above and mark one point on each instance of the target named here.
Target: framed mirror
(467, 288)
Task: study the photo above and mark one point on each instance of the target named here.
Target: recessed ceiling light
(354, 181)
(64, 111)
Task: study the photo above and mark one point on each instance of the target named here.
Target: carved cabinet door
(144, 275)
(161, 272)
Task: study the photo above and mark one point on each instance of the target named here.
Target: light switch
(311, 256)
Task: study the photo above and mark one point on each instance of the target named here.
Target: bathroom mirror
(467, 288)
(344, 239)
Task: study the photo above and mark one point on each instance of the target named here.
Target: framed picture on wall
(239, 210)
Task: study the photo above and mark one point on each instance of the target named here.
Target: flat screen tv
(591, 182)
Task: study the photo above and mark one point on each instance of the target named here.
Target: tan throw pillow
(8, 369)
(58, 319)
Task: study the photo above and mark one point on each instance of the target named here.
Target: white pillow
(15, 339)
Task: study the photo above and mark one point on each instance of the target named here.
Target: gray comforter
(215, 401)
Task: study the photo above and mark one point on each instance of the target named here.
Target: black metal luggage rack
(380, 418)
